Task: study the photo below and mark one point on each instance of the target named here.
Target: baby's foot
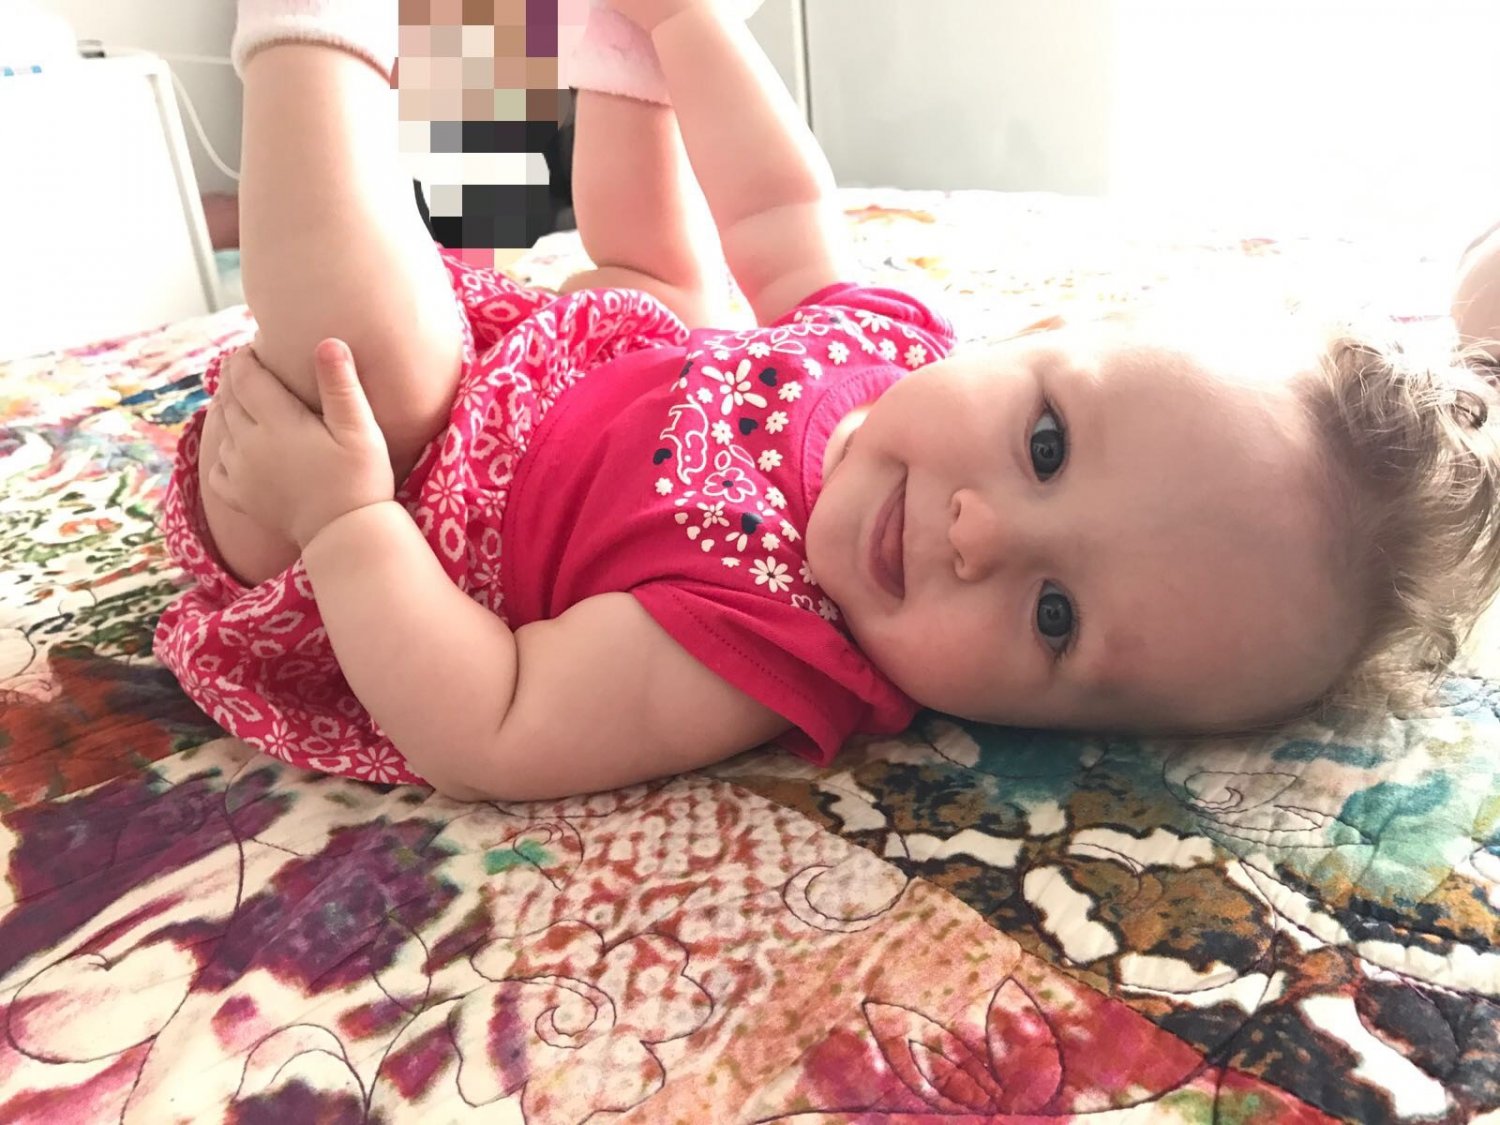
(367, 28)
(616, 57)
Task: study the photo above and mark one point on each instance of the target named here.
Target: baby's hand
(288, 468)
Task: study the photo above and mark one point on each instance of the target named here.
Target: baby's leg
(1476, 297)
(641, 214)
(332, 245)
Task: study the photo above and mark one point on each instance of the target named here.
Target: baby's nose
(980, 539)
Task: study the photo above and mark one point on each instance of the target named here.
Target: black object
(510, 215)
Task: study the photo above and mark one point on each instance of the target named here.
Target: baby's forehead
(1261, 351)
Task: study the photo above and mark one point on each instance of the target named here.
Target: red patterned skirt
(257, 659)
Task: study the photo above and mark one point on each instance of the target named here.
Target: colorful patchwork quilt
(962, 924)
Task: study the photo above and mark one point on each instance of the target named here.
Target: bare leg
(641, 215)
(332, 245)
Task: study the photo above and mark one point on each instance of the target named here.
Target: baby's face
(1077, 529)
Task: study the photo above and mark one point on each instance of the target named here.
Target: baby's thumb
(345, 407)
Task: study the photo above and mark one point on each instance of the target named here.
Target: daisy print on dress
(866, 337)
(735, 388)
(765, 343)
(732, 478)
(723, 459)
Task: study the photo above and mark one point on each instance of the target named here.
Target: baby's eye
(1054, 618)
(1049, 445)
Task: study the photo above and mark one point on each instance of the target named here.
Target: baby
(542, 544)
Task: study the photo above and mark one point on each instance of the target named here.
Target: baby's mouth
(887, 551)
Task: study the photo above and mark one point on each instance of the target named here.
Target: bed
(961, 924)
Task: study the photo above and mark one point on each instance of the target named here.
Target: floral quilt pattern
(961, 924)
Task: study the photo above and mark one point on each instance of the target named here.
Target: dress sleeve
(788, 659)
(882, 314)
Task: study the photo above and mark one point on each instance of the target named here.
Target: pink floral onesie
(608, 449)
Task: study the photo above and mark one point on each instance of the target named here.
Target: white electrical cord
(187, 102)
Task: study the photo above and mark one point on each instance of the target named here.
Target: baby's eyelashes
(1055, 619)
(1048, 445)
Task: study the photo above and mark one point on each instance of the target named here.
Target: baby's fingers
(237, 420)
(240, 363)
(261, 394)
(224, 482)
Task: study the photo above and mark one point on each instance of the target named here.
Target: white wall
(203, 28)
(1005, 94)
(200, 28)
(1337, 109)
(1328, 106)
(1317, 110)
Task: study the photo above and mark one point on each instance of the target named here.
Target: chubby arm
(767, 182)
(604, 698)
(435, 669)
(599, 698)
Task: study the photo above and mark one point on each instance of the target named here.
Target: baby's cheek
(938, 671)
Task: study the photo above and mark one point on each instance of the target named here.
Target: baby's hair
(1413, 463)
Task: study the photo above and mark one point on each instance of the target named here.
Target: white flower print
(278, 740)
(866, 344)
(713, 514)
(872, 321)
(775, 498)
(769, 541)
(759, 350)
(663, 486)
(721, 354)
(827, 610)
(814, 368)
(731, 563)
(888, 349)
(791, 392)
(838, 351)
(807, 575)
(776, 422)
(802, 601)
(916, 355)
(445, 492)
(738, 542)
(723, 432)
(769, 460)
(730, 483)
(788, 532)
(705, 396)
(771, 574)
(735, 388)
(378, 764)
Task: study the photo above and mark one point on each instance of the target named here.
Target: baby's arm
(767, 182)
(435, 669)
(599, 698)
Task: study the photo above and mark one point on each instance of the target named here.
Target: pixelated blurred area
(485, 129)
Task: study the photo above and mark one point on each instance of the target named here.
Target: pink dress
(681, 470)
